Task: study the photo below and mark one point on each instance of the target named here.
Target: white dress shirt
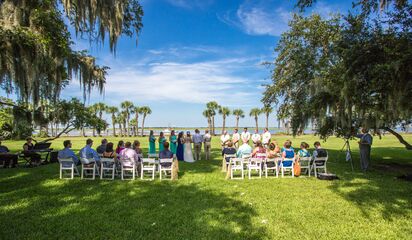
(266, 137)
(224, 138)
(256, 137)
(235, 137)
(245, 136)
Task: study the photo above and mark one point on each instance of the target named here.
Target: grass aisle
(35, 204)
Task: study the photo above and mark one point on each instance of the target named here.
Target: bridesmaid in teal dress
(173, 142)
(152, 143)
(162, 139)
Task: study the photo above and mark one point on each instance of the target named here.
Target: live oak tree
(345, 73)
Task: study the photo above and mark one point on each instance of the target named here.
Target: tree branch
(399, 137)
(65, 130)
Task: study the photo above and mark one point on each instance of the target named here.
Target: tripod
(346, 146)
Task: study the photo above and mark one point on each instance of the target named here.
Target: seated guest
(100, 149)
(165, 154)
(7, 157)
(318, 152)
(303, 152)
(88, 152)
(245, 149)
(28, 147)
(120, 147)
(129, 153)
(229, 150)
(287, 152)
(258, 149)
(274, 150)
(136, 145)
(68, 153)
(109, 151)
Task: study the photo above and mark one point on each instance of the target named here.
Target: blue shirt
(244, 149)
(68, 153)
(367, 138)
(197, 138)
(165, 154)
(88, 152)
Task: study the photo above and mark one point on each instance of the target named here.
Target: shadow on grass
(76, 209)
(374, 189)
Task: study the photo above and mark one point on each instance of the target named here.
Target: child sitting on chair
(287, 152)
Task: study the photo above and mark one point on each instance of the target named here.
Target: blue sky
(194, 51)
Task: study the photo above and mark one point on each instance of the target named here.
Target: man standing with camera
(365, 144)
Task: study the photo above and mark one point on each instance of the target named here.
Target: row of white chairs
(262, 163)
(108, 168)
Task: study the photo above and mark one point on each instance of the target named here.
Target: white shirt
(256, 137)
(245, 136)
(266, 137)
(225, 138)
(235, 137)
(207, 138)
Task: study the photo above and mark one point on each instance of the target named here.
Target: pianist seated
(88, 152)
(7, 157)
(28, 152)
(68, 153)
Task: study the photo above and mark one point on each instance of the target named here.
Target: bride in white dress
(188, 155)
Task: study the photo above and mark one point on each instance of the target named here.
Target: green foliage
(6, 119)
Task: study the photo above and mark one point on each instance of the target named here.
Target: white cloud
(191, 4)
(183, 82)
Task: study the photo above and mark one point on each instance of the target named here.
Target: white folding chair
(305, 163)
(287, 164)
(89, 164)
(148, 165)
(319, 163)
(165, 165)
(271, 164)
(236, 164)
(255, 164)
(107, 166)
(227, 156)
(128, 165)
(67, 164)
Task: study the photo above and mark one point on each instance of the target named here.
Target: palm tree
(113, 111)
(239, 114)
(120, 120)
(207, 114)
(255, 112)
(136, 111)
(127, 107)
(123, 120)
(213, 106)
(224, 111)
(145, 111)
(100, 108)
(267, 110)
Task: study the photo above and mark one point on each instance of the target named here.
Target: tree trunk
(209, 124)
(407, 145)
(267, 121)
(224, 124)
(213, 126)
(256, 120)
(144, 118)
(137, 125)
(237, 121)
(114, 126)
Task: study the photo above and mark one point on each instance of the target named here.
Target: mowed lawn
(201, 204)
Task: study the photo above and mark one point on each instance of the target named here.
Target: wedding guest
(245, 136)
(318, 152)
(109, 151)
(165, 154)
(88, 152)
(120, 147)
(244, 149)
(197, 143)
(68, 153)
(266, 137)
(224, 139)
(179, 149)
(100, 149)
(256, 137)
(162, 139)
(274, 150)
(303, 152)
(7, 157)
(28, 148)
(152, 142)
(258, 149)
(365, 144)
(207, 139)
(173, 142)
(228, 150)
(136, 147)
(235, 138)
(287, 152)
(129, 153)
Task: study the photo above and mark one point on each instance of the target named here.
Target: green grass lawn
(36, 204)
